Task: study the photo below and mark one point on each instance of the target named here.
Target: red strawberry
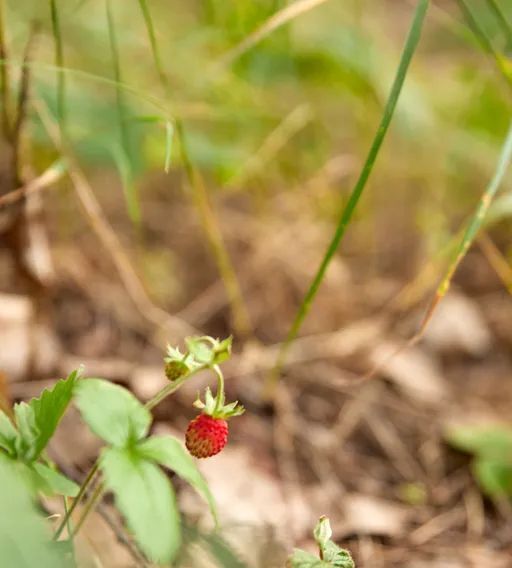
(206, 436)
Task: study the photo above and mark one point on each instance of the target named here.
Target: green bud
(174, 370)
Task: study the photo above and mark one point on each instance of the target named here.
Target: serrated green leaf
(303, 559)
(337, 556)
(50, 407)
(8, 434)
(145, 497)
(24, 539)
(494, 476)
(112, 412)
(170, 453)
(54, 483)
(484, 440)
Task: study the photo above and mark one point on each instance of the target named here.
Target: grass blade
(276, 21)
(154, 45)
(169, 139)
(210, 224)
(472, 228)
(485, 43)
(506, 27)
(4, 75)
(407, 53)
(59, 63)
(130, 189)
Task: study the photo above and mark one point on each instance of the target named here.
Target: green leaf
(169, 452)
(494, 476)
(51, 482)
(50, 407)
(484, 440)
(303, 559)
(8, 434)
(337, 556)
(24, 539)
(112, 412)
(145, 497)
(26, 442)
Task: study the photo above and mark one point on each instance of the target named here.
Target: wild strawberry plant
(329, 553)
(131, 464)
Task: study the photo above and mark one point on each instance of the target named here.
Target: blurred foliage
(338, 59)
(491, 447)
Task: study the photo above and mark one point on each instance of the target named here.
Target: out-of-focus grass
(336, 60)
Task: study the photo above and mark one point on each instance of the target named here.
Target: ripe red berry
(206, 436)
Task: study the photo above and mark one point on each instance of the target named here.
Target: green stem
(59, 63)
(94, 500)
(83, 488)
(407, 53)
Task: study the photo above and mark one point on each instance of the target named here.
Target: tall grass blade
(4, 75)
(207, 217)
(500, 61)
(389, 109)
(59, 63)
(506, 27)
(154, 45)
(241, 320)
(169, 139)
(473, 227)
(130, 189)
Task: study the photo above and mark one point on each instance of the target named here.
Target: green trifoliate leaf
(112, 412)
(170, 453)
(145, 497)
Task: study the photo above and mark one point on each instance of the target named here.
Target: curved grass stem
(389, 109)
